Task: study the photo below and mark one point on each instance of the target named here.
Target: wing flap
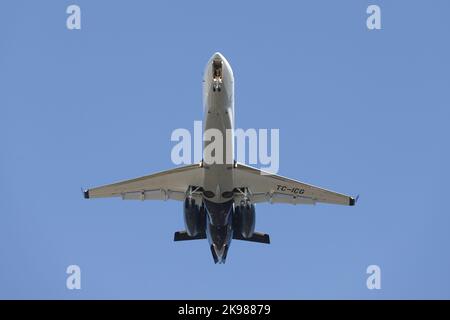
(275, 197)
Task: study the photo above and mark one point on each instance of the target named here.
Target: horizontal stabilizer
(183, 236)
(257, 237)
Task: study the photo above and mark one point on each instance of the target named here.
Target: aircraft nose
(217, 56)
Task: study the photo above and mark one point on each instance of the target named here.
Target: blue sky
(361, 112)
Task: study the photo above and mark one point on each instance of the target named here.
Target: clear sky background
(360, 112)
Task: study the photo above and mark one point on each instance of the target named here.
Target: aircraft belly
(218, 177)
(219, 180)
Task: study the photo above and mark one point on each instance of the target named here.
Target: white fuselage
(218, 103)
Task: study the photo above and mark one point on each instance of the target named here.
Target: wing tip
(352, 201)
(86, 193)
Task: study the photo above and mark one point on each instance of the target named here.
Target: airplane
(219, 198)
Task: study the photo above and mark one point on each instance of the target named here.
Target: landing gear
(217, 75)
(217, 84)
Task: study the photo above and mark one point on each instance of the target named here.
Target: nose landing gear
(217, 75)
(217, 84)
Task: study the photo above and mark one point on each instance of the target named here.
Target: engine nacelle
(244, 216)
(194, 217)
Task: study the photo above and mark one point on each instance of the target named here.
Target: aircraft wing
(265, 187)
(170, 184)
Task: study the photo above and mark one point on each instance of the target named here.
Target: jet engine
(194, 217)
(244, 219)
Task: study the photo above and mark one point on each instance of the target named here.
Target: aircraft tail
(221, 259)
